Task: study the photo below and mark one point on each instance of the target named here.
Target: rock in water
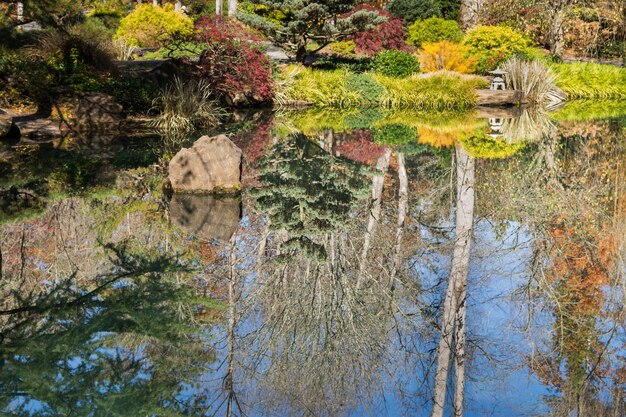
(207, 217)
(212, 164)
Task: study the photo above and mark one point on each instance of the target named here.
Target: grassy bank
(341, 88)
(583, 80)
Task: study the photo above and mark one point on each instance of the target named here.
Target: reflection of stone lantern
(496, 124)
(498, 79)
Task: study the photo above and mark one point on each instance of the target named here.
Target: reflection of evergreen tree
(308, 191)
(120, 346)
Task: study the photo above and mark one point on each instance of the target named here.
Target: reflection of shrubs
(394, 135)
(492, 45)
(152, 27)
(364, 118)
(445, 55)
(480, 145)
(395, 64)
(358, 147)
(367, 88)
(434, 29)
(436, 138)
(387, 35)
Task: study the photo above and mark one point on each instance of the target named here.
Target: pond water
(376, 263)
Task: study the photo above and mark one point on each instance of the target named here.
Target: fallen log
(500, 97)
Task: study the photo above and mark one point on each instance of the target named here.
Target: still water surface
(383, 264)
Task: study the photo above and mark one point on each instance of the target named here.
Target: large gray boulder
(207, 217)
(212, 164)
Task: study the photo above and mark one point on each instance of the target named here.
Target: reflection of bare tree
(453, 321)
(374, 212)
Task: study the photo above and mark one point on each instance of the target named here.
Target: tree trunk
(453, 320)
(232, 8)
(155, 3)
(301, 54)
(178, 7)
(219, 7)
(470, 13)
(19, 11)
(556, 31)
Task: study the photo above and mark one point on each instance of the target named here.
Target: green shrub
(343, 48)
(108, 17)
(411, 10)
(591, 81)
(366, 86)
(154, 27)
(394, 134)
(438, 91)
(434, 29)
(176, 50)
(491, 45)
(395, 64)
(349, 64)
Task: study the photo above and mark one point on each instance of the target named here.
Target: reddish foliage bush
(237, 70)
(359, 147)
(388, 35)
(254, 145)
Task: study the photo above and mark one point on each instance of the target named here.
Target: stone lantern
(498, 79)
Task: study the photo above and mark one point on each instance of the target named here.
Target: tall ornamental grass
(535, 80)
(185, 106)
(587, 80)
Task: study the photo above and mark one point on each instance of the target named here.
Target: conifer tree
(294, 24)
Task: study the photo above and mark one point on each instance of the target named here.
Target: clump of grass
(586, 80)
(320, 88)
(535, 80)
(440, 90)
(186, 106)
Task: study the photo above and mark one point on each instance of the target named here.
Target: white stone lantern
(498, 79)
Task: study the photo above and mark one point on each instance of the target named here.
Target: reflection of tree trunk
(232, 8)
(453, 321)
(233, 296)
(403, 199)
(375, 207)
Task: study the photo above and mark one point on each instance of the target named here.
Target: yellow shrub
(445, 55)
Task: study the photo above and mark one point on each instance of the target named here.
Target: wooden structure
(500, 97)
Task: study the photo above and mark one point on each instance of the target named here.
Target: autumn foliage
(236, 69)
(445, 55)
(388, 35)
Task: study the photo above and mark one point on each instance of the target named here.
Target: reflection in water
(206, 216)
(454, 305)
(459, 275)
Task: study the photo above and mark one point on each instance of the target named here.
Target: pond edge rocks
(211, 165)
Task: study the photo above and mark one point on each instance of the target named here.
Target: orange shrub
(445, 55)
